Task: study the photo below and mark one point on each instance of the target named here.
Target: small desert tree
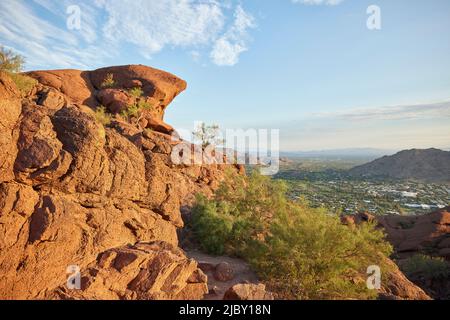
(137, 110)
(208, 135)
(10, 61)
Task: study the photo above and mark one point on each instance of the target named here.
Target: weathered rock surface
(414, 234)
(86, 87)
(10, 108)
(248, 292)
(144, 271)
(429, 233)
(395, 286)
(105, 199)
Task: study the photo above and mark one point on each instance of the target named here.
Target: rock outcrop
(428, 233)
(410, 235)
(105, 199)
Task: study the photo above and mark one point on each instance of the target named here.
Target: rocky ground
(225, 273)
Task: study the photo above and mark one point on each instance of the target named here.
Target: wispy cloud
(154, 24)
(318, 2)
(42, 42)
(403, 112)
(228, 47)
(146, 26)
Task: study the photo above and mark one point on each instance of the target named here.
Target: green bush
(300, 252)
(136, 111)
(108, 82)
(136, 92)
(24, 83)
(430, 267)
(102, 116)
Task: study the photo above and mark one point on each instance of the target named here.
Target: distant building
(408, 194)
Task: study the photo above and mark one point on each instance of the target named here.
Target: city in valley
(325, 183)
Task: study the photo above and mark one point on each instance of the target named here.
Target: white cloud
(318, 2)
(42, 42)
(403, 112)
(154, 24)
(107, 27)
(229, 46)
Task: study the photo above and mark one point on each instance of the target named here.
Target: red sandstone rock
(413, 234)
(115, 100)
(248, 292)
(10, 109)
(74, 84)
(73, 192)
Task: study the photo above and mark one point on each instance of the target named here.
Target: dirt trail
(242, 271)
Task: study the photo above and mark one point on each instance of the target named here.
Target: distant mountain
(366, 153)
(429, 165)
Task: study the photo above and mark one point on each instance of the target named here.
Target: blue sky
(311, 68)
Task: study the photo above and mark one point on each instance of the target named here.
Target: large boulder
(74, 84)
(144, 271)
(160, 87)
(88, 87)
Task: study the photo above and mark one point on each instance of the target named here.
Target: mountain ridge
(427, 165)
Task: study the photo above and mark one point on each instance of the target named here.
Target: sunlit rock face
(104, 199)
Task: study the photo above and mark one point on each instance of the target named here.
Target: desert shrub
(23, 82)
(299, 251)
(102, 116)
(109, 81)
(10, 61)
(136, 92)
(430, 267)
(135, 111)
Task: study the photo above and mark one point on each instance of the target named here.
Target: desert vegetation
(299, 251)
(13, 63)
(134, 111)
(426, 266)
(108, 82)
(103, 116)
